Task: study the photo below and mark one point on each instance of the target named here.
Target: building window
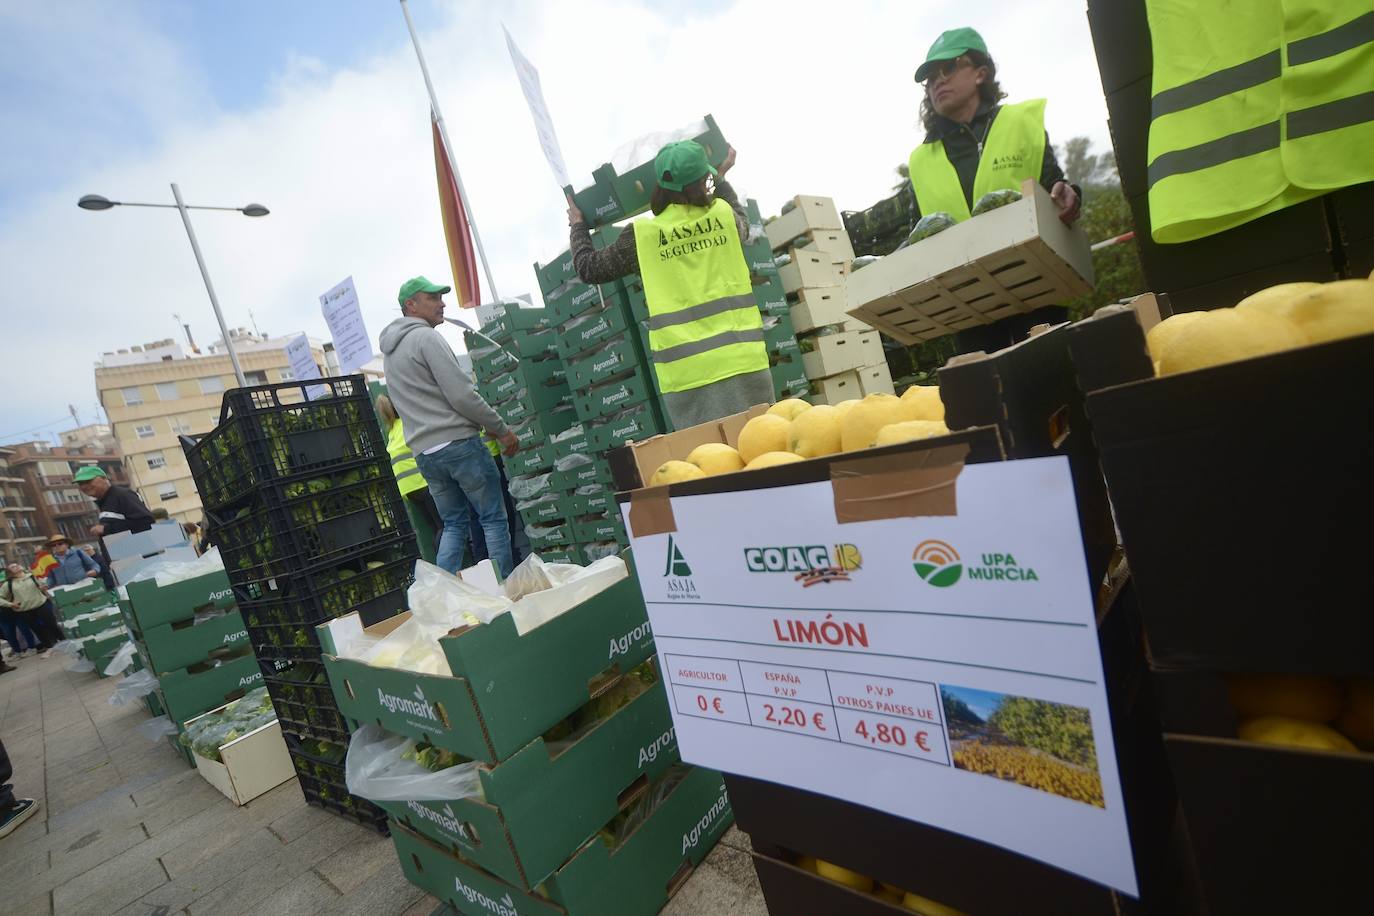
(167, 391)
(167, 491)
(156, 460)
(286, 374)
(132, 397)
(180, 428)
(257, 377)
(214, 419)
(144, 431)
(212, 385)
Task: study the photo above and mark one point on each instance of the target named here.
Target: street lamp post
(96, 202)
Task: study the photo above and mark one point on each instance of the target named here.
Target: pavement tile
(422, 907)
(354, 865)
(385, 893)
(723, 883)
(37, 905)
(112, 891)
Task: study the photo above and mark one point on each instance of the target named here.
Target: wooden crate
(808, 212)
(836, 353)
(810, 268)
(876, 380)
(1010, 261)
(836, 388)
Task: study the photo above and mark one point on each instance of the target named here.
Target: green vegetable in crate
(929, 225)
(994, 199)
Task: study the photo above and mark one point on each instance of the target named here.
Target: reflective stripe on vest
(1257, 111)
(704, 324)
(408, 476)
(1013, 151)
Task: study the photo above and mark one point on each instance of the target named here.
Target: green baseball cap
(419, 285)
(90, 472)
(685, 161)
(950, 45)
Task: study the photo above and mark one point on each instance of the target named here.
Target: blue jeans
(464, 474)
(13, 628)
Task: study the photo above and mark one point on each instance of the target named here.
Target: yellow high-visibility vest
(704, 325)
(1255, 106)
(1013, 151)
(408, 477)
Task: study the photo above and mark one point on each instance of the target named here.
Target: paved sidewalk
(126, 828)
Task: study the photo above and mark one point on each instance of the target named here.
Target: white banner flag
(543, 124)
(345, 319)
(303, 366)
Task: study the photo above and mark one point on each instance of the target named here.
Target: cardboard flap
(651, 512)
(907, 485)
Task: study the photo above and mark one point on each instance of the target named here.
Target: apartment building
(157, 392)
(46, 471)
(20, 535)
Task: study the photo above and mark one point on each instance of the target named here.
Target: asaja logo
(677, 563)
(809, 565)
(937, 563)
(678, 572)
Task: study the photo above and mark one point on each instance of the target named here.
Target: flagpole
(448, 151)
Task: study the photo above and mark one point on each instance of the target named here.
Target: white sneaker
(47, 654)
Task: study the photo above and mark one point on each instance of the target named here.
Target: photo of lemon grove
(1036, 743)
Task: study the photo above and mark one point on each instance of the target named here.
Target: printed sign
(345, 319)
(543, 123)
(943, 669)
(303, 366)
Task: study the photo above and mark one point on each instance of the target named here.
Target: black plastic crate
(272, 432)
(310, 523)
(304, 701)
(320, 769)
(281, 614)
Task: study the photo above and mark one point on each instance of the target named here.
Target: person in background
(16, 632)
(120, 508)
(409, 480)
(161, 515)
(71, 566)
(974, 144)
(444, 416)
(705, 328)
(29, 597)
(105, 575)
(13, 811)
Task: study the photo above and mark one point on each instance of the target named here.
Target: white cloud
(817, 97)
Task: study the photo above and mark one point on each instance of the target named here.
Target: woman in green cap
(705, 329)
(974, 145)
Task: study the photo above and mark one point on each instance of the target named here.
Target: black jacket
(122, 510)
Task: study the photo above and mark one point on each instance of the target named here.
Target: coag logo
(809, 565)
(677, 563)
(937, 563)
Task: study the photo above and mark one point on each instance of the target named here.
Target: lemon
(1224, 336)
(1356, 720)
(1293, 733)
(909, 431)
(815, 432)
(1334, 310)
(766, 433)
(927, 907)
(889, 893)
(1159, 336)
(923, 402)
(715, 458)
(860, 426)
(788, 408)
(843, 876)
(772, 459)
(675, 472)
(1276, 300)
(807, 863)
(1296, 696)
(845, 406)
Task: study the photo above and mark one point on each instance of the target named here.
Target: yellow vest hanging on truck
(1013, 151)
(1255, 107)
(704, 325)
(408, 477)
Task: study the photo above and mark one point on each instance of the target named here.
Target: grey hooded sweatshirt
(434, 397)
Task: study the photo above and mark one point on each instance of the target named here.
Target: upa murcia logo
(808, 564)
(940, 565)
(503, 907)
(703, 827)
(678, 572)
(408, 706)
(444, 819)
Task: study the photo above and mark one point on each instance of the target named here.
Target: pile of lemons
(1278, 318)
(1295, 710)
(852, 879)
(793, 430)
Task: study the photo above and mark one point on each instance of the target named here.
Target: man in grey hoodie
(444, 416)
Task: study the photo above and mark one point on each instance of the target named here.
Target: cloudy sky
(316, 108)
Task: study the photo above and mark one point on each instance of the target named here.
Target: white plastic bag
(81, 666)
(376, 769)
(133, 687)
(595, 553)
(569, 586)
(157, 728)
(168, 572)
(644, 148)
(572, 432)
(120, 662)
(527, 487)
(71, 647)
(575, 460)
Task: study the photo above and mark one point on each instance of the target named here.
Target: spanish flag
(461, 254)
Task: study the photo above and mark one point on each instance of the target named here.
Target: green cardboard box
(552, 506)
(598, 528)
(569, 554)
(509, 323)
(789, 378)
(598, 472)
(154, 605)
(552, 533)
(527, 375)
(180, 645)
(592, 503)
(598, 203)
(759, 257)
(536, 430)
(637, 880)
(94, 621)
(612, 356)
(574, 299)
(614, 395)
(555, 273)
(528, 461)
(771, 298)
(81, 593)
(593, 327)
(526, 402)
(505, 689)
(638, 422)
(509, 831)
(778, 334)
(197, 689)
(572, 441)
(783, 347)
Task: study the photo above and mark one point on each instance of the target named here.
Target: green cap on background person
(90, 472)
(681, 164)
(419, 285)
(950, 45)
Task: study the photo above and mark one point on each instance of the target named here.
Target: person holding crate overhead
(705, 329)
(974, 145)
